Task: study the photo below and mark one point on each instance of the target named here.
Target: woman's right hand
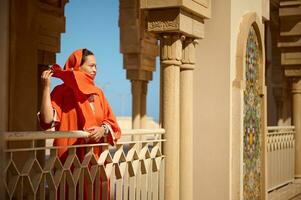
(46, 78)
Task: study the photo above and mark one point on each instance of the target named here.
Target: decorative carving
(163, 25)
(175, 20)
(171, 49)
(188, 60)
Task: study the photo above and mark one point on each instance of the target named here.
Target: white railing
(280, 156)
(130, 170)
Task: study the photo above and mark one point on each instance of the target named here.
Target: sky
(93, 24)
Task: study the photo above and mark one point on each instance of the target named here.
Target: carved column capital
(188, 55)
(171, 49)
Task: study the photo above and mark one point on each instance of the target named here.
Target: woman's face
(89, 66)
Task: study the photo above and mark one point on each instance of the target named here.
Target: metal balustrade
(129, 170)
(280, 156)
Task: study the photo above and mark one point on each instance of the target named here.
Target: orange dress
(72, 104)
(71, 101)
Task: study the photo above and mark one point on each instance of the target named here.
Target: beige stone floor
(289, 192)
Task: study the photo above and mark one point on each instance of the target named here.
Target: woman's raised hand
(46, 78)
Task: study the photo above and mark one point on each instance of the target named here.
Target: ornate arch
(249, 112)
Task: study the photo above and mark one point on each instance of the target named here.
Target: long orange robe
(71, 103)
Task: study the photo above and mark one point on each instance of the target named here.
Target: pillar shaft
(136, 103)
(296, 91)
(186, 120)
(143, 119)
(171, 53)
(139, 94)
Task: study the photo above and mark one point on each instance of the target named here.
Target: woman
(77, 104)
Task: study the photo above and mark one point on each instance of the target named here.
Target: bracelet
(106, 133)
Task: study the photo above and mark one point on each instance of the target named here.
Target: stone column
(139, 94)
(136, 103)
(171, 55)
(186, 110)
(143, 117)
(139, 49)
(296, 92)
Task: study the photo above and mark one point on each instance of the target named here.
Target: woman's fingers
(46, 74)
(95, 133)
(46, 77)
(94, 137)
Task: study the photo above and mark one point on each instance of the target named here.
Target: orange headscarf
(74, 60)
(70, 100)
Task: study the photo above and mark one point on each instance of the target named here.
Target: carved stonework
(175, 20)
(160, 25)
(171, 49)
(188, 60)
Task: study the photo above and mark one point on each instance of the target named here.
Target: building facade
(229, 69)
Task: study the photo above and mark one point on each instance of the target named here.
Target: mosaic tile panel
(252, 122)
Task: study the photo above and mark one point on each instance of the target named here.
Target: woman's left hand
(96, 133)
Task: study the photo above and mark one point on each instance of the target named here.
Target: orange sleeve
(110, 119)
(57, 102)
